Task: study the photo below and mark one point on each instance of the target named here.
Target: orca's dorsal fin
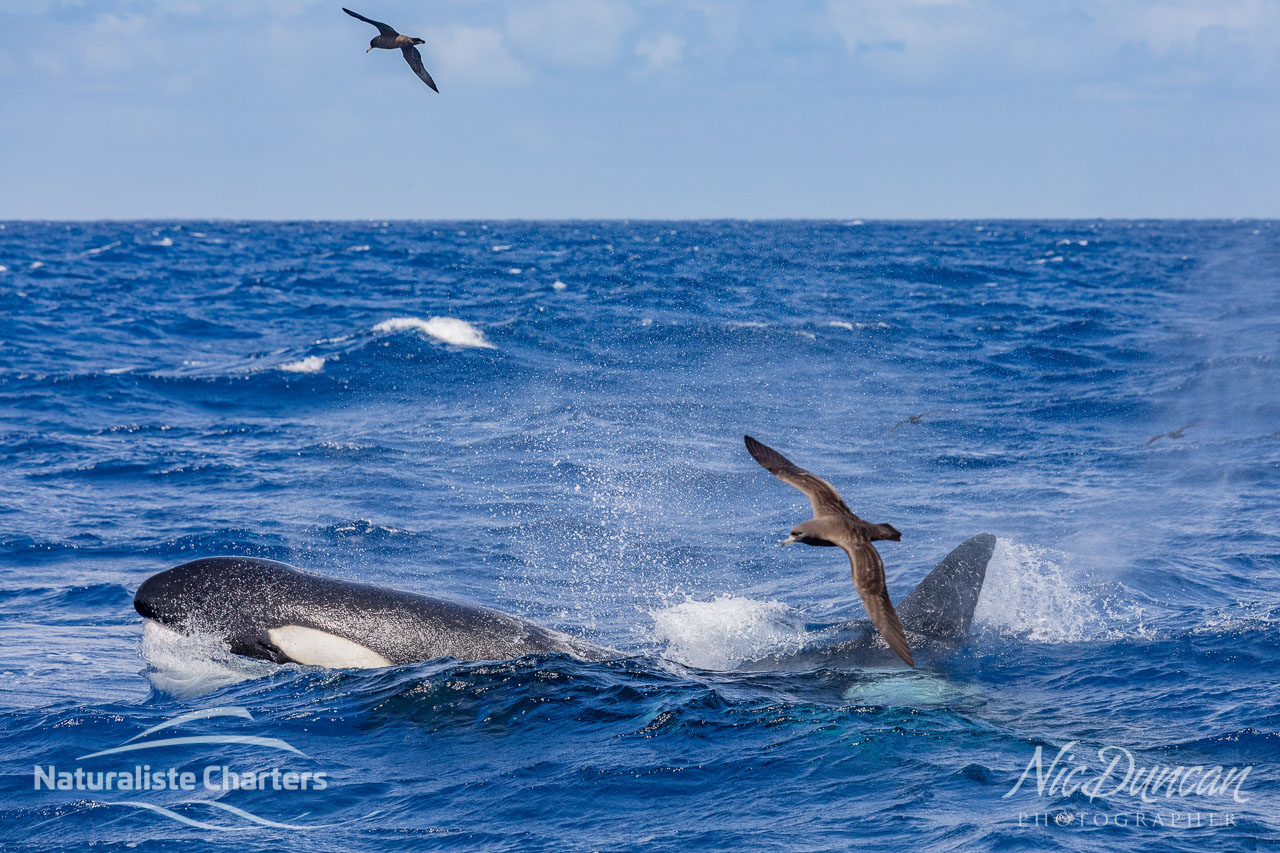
(942, 605)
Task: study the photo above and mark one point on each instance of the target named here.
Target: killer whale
(272, 611)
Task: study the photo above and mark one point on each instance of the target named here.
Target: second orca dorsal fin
(942, 605)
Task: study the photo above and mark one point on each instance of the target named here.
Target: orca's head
(206, 594)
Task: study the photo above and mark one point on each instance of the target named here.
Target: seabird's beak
(369, 48)
(790, 539)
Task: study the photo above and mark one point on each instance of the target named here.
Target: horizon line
(843, 220)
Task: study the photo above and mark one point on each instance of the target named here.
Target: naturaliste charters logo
(213, 777)
(1118, 773)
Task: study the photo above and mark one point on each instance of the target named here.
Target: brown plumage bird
(1177, 433)
(388, 39)
(834, 524)
(914, 419)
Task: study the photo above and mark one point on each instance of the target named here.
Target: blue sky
(641, 108)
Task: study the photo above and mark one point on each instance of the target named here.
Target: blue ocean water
(547, 418)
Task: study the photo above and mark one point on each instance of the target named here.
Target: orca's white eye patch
(320, 648)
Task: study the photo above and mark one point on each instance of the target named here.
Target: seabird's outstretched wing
(382, 28)
(898, 424)
(1156, 438)
(414, 59)
(868, 579)
(821, 494)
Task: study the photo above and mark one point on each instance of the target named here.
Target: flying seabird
(389, 39)
(1177, 433)
(914, 419)
(834, 524)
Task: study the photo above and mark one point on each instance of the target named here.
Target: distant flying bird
(389, 39)
(833, 523)
(914, 419)
(1177, 433)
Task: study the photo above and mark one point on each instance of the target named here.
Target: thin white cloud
(722, 19)
(1178, 24)
(660, 51)
(118, 25)
(242, 8)
(473, 53)
(570, 33)
(918, 24)
(1168, 43)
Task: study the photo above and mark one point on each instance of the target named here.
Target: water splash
(724, 632)
(186, 666)
(1031, 593)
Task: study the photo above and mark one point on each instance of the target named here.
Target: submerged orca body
(936, 616)
(269, 610)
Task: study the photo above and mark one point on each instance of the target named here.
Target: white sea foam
(558, 285)
(35, 265)
(164, 243)
(363, 247)
(514, 270)
(449, 330)
(722, 633)
(503, 247)
(844, 324)
(186, 666)
(3, 268)
(99, 250)
(310, 364)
